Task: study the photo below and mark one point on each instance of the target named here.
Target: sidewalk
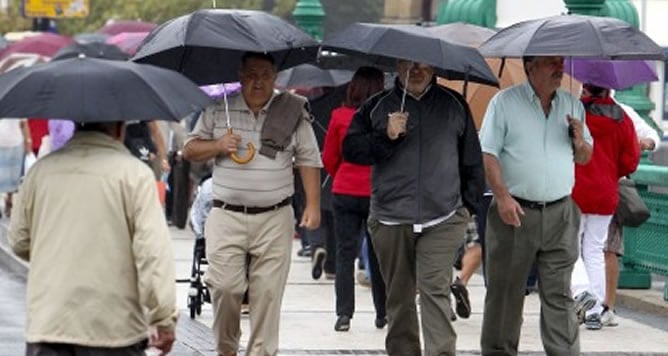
(307, 321)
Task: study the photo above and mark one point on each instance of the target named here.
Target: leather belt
(252, 210)
(538, 204)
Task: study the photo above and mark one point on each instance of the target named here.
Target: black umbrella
(382, 45)
(311, 76)
(573, 36)
(91, 49)
(207, 45)
(98, 90)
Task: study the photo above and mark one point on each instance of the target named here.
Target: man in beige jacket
(88, 220)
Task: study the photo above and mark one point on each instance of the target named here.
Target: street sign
(55, 9)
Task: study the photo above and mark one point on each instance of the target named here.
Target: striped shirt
(263, 181)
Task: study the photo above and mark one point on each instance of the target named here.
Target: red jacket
(349, 178)
(616, 154)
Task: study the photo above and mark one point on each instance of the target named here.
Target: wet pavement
(12, 311)
(308, 318)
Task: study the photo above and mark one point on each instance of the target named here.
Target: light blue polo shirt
(534, 151)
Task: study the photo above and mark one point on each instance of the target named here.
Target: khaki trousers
(547, 236)
(408, 262)
(266, 239)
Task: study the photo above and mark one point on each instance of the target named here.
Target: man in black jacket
(427, 178)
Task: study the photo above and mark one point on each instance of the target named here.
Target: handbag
(631, 210)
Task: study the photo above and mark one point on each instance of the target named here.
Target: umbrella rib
(599, 40)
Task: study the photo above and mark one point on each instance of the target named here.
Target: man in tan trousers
(249, 230)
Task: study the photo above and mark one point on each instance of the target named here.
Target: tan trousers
(267, 239)
(410, 261)
(547, 237)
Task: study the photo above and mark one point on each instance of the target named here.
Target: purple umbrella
(612, 74)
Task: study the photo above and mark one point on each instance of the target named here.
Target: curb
(644, 300)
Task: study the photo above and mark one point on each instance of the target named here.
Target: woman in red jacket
(616, 154)
(351, 190)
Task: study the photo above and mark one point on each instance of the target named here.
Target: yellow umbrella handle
(248, 158)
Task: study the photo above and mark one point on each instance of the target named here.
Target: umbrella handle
(244, 160)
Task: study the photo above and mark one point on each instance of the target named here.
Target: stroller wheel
(194, 305)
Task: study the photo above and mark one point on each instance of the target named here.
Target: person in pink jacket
(351, 190)
(616, 154)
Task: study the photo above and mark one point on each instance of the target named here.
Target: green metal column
(309, 15)
(476, 12)
(585, 7)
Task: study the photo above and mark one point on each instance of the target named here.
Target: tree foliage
(338, 12)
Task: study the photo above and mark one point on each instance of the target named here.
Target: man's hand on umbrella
(577, 130)
(229, 143)
(396, 124)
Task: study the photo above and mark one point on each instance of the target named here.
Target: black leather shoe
(381, 322)
(342, 323)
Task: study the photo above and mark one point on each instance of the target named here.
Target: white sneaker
(583, 302)
(608, 317)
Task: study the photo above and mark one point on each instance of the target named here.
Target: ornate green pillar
(585, 7)
(476, 12)
(309, 15)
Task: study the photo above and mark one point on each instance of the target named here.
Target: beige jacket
(88, 219)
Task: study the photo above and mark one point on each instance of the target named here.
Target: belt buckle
(245, 210)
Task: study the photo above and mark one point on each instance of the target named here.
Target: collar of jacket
(92, 138)
(399, 88)
(606, 107)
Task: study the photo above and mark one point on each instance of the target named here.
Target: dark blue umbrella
(99, 90)
(573, 36)
(611, 74)
(382, 45)
(207, 45)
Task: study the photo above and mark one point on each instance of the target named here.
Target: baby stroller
(198, 294)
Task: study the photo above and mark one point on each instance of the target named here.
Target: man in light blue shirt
(532, 136)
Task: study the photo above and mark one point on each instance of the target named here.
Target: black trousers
(56, 349)
(350, 216)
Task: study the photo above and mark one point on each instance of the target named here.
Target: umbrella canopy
(44, 44)
(311, 76)
(127, 41)
(611, 74)
(382, 45)
(93, 50)
(572, 36)
(18, 60)
(117, 27)
(462, 33)
(98, 90)
(207, 45)
(89, 37)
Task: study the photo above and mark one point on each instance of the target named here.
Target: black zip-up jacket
(427, 173)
